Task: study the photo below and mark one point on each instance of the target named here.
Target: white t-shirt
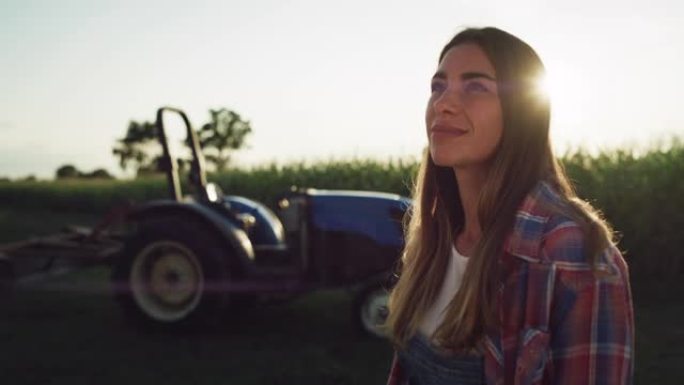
(452, 281)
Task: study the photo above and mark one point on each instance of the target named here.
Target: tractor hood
(375, 215)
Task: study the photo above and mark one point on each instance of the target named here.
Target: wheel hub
(167, 280)
(173, 279)
(375, 311)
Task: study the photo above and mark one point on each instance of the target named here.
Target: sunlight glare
(543, 87)
(567, 90)
(564, 88)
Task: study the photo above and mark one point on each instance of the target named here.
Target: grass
(18, 224)
(69, 331)
(659, 319)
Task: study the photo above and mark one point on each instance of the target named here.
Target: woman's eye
(475, 87)
(437, 87)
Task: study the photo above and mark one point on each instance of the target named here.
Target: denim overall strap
(427, 366)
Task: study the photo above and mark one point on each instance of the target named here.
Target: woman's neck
(470, 183)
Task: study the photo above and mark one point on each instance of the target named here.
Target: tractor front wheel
(171, 275)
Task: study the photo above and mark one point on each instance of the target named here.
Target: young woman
(507, 277)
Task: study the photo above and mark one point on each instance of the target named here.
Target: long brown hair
(524, 158)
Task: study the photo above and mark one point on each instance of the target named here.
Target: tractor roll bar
(170, 165)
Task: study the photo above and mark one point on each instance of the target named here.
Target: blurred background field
(640, 193)
(67, 330)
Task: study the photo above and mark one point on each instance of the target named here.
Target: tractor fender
(232, 237)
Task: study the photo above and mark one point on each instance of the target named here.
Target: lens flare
(543, 87)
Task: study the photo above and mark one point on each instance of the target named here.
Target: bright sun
(543, 86)
(565, 89)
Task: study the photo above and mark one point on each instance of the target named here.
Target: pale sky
(317, 79)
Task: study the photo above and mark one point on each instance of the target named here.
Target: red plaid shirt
(560, 323)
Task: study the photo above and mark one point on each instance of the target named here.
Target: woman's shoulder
(539, 217)
(545, 224)
(564, 241)
(572, 246)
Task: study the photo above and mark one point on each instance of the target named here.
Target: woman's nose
(449, 101)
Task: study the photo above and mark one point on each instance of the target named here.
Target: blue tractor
(189, 259)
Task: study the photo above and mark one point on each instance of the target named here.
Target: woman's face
(463, 118)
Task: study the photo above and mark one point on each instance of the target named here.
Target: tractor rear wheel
(171, 274)
(370, 310)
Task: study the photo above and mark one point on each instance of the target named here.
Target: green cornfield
(640, 193)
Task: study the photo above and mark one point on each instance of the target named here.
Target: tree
(225, 132)
(67, 171)
(135, 148)
(99, 173)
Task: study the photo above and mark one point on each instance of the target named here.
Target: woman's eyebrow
(439, 75)
(465, 76)
(473, 75)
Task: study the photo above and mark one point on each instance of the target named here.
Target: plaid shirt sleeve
(592, 326)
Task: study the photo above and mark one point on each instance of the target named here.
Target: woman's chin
(444, 160)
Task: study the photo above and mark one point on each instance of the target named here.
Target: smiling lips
(446, 131)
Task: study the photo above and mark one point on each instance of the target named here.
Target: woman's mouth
(440, 131)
